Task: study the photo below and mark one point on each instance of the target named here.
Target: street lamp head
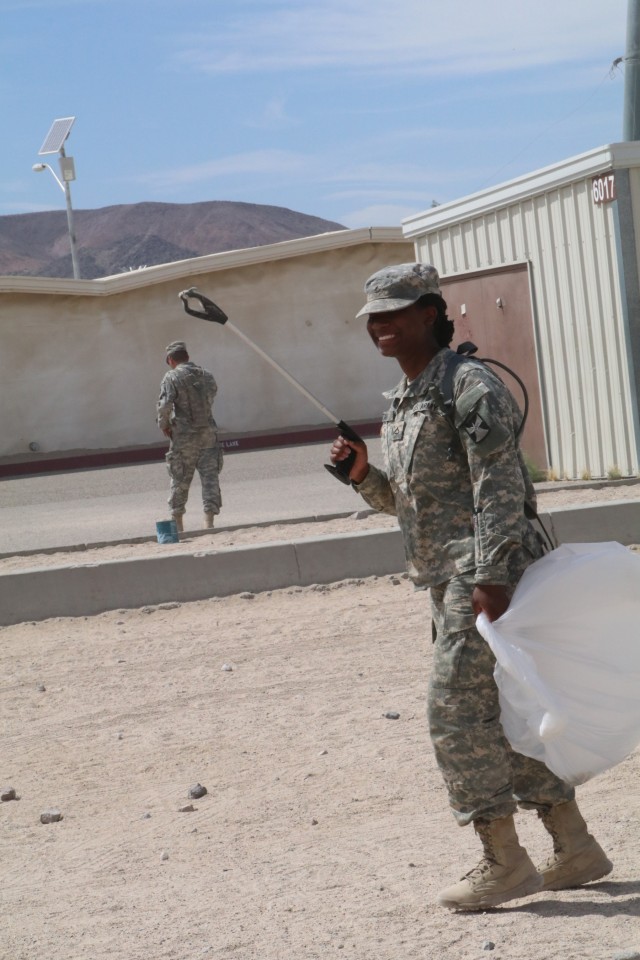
(39, 167)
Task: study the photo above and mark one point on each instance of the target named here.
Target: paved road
(123, 503)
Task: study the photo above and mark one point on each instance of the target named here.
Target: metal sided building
(542, 273)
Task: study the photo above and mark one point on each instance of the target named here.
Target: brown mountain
(121, 238)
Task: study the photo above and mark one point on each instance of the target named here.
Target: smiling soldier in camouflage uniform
(455, 478)
(184, 415)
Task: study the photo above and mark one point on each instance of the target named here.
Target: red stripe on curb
(152, 454)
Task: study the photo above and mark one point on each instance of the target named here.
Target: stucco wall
(81, 366)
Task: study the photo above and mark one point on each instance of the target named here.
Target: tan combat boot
(208, 521)
(179, 522)
(504, 873)
(577, 857)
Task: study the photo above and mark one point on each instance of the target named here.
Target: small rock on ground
(50, 816)
(196, 791)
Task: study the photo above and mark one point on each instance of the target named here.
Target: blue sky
(358, 111)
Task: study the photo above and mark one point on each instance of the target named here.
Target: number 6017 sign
(603, 188)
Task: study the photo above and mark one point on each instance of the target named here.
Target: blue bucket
(167, 531)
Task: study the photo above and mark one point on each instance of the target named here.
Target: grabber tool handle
(215, 314)
(342, 468)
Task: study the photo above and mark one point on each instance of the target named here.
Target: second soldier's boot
(179, 522)
(577, 857)
(505, 872)
(208, 521)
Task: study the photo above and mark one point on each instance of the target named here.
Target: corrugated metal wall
(570, 243)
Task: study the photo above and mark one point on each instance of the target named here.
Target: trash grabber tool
(212, 312)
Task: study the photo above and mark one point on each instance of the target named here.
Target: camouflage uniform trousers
(190, 451)
(484, 776)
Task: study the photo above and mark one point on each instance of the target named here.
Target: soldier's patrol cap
(398, 286)
(176, 347)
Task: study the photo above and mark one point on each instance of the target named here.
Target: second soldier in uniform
(184, 415)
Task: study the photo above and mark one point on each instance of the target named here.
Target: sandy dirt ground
(325, 829)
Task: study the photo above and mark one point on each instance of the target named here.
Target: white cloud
(274, 116)
(409, 35)
(7, 6)
(387, 187)
(374, 172)
(9, 207)
(379, 215)
(256, 162)
(381, 195)
(372, 180)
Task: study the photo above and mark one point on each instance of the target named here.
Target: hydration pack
(463, 354)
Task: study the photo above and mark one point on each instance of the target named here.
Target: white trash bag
(568, 659)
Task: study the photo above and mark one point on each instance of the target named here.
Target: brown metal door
(493, 309)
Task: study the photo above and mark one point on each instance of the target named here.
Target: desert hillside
(115, 239)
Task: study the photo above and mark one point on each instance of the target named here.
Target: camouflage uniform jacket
(186, 396)
(458, 493)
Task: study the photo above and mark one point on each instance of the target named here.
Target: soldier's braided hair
(443, 327)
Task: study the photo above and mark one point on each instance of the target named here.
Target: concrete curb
(87, 589)
(596, 523)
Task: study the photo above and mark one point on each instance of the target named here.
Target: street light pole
(72, 233)
(54, 143)
(631, 112)
(64, 186)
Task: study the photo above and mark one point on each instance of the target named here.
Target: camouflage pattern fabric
(186, 397)
(485, 778)
(459, 494)
(193, 450)
(393, 288)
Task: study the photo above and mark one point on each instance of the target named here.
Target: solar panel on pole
(56, 137)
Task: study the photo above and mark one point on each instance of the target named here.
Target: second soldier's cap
(398, 286)
(176, 347)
